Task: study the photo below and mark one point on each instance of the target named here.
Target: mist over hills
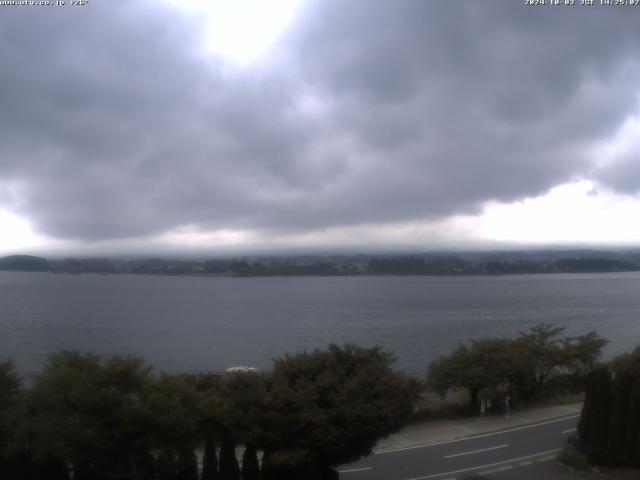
(429, 263)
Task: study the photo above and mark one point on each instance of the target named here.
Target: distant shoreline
(469, 264)
(335, 275)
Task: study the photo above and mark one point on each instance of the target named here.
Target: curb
(407, 444)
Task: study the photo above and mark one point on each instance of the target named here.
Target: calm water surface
(204, 323)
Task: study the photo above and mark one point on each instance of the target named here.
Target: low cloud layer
(114, 124)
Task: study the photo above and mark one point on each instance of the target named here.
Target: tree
(584, 423)
(14, 461)
(207, 385)
(600, 407)
(166, 465)
(10, 383)
(326, 408)
(540, 351)
(229, 468)
(584, 351)
(618, 414)
(209, 459)
(543, 353)
(187, 464)
(250, 465)
(525, 363)
(240, 405)
(610, 420)
(173, 412)
(632, 433)
(485, 364)
(89, 412)
(629, 364)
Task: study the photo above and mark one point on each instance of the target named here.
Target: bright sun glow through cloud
(241, 30)
(16, 234)
(570, 214)
(573, 213)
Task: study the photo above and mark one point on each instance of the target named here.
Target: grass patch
(454, 405)
(553, 400)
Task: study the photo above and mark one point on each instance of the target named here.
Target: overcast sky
(244, 125)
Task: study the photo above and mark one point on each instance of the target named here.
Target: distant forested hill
(463, 263)
(25, 263)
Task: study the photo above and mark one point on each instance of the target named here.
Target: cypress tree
(267, 472)
(229, 469)
(622, 387)
(209, 459)
(275, 471)
(82, 471)
(166, 466)
(632, 434)
(20, 464)
(187, 465)
(599, 425)
(52, 469)
(11, 468)
(250, 465)
(587, 411)
(145, 466)
(610, 420)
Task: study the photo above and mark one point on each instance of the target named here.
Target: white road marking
(351, 470)
(524, 464)
(496, 470)
(545, 459)
(569, 431)
(485, 435)
(480, 467)
(475, 451)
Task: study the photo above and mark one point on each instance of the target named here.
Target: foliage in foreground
(331, 407)
(112, 418)
(526, 367)
(610, 420)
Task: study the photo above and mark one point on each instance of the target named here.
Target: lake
(211, 323)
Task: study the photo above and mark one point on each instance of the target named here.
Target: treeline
(331, 265)
(92, 418)
(540, 362)
(25, 263)
(458, 266)
(610, 420)
(88, 417)
(543, 362)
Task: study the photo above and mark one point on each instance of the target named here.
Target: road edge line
(473, 437)
(485, 466)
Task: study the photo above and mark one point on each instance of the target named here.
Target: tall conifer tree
(599, 425)
(209, 460)
(250, 465)
(229, 468)
(632, 433)
(622, 387)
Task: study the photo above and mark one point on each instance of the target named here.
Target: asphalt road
(482, 454)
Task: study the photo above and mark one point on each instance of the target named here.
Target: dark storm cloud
(112, 125)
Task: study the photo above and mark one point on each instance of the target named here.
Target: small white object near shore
(241, 369)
